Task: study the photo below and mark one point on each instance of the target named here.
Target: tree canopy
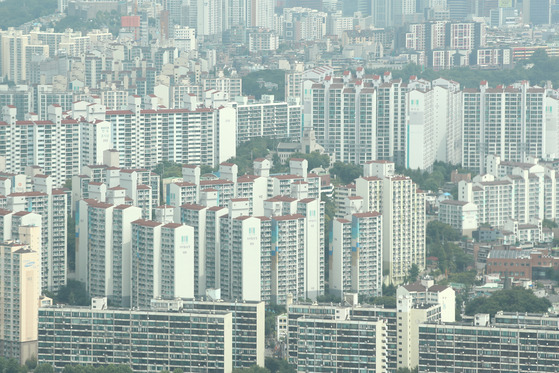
(17, 12)
(513, 300)
(346, 173)
(247, 152)
(278, 366)
(433, 180)
(73, 293)
(253, 84)
(440, 240)
(167, 169)
(315, 159)
(103, 19)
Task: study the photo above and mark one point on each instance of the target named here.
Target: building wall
(180, 331)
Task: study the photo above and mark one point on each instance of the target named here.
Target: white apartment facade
(19, 299)
(402, 206)
(356, 255)
(460, 215)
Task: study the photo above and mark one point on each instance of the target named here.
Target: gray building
(511, 342)
(190, 335)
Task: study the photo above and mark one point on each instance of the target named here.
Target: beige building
(19, 301)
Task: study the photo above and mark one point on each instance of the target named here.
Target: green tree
(167, 169)
(328, 298)
(546, 223)
(12, 366)
(406, 370)
(31, 363)
(386, 301)
(44, 368)
(315, 159)
(346, 173)
(388, 290)
(513, 300)
(14, 13)
(413, 273)
(71, 242)
(272, 311)
(439, 232)
(252, 84)
(278, 365)
(73, 293)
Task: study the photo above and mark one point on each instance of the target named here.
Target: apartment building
(441, 36)
(267, 118)
(294, 80)
(262, 40)
(162, 261)
(107, 183)
(314, 323)
(360, 118)
(460, 215)
(492, 198)
(343, 115)
(16, 49)
(402, 207)
(230, 85)
(356, 255)
(20, 272)
(426, 292)
(51, 144)
(300, 23)
(508, 342)
(434, 124)
(27, 201)
(248, 325)
(509, 122)
(145, 340)
(240, 265)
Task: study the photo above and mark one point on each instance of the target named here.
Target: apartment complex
(513, 194)
(109, 183)
(437, 38)
(509, 122)
(142, 339)
(508, 342)
(34, 202)
(267, 118)
(363, 117)
(380, 339)
(130, 260)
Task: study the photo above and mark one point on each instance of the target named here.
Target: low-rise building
(520, 264)
(461, 215)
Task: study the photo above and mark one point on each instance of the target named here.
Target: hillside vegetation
(17, 12)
